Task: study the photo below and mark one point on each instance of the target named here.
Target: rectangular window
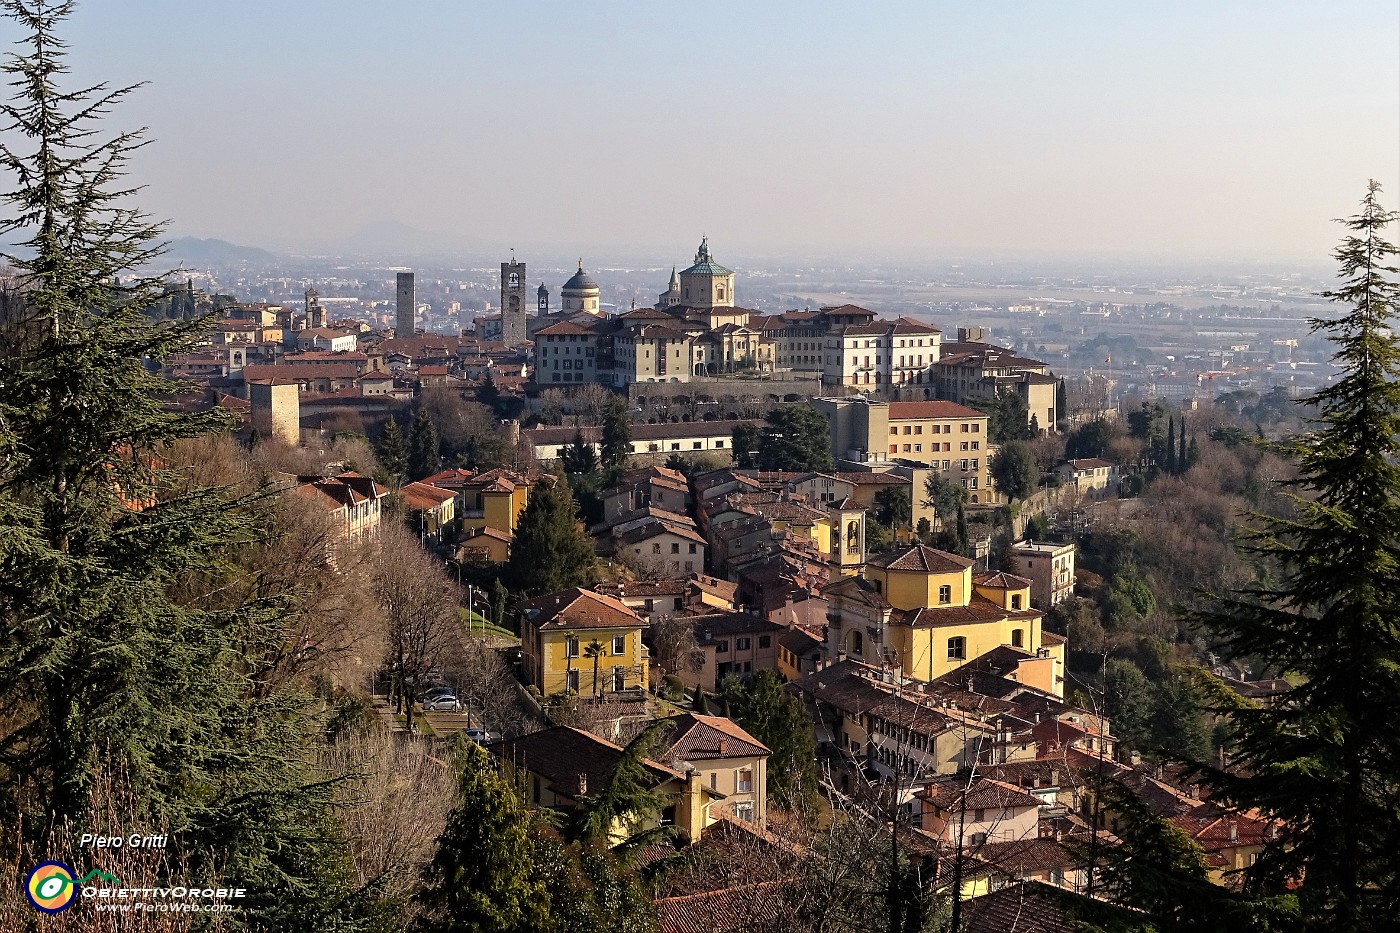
(571, 681)
(945, 594)
(743, 644)
(918, 448)
(722, 647)
(963, 446)
(894, 430)
(692, 547)
(675, 548)
(957, 648)
(619, 644)
(906, 448)
(964, 428)
(746, 780)
(656, 548)
(765, 641)
(571, 646)
(1018, 636)
(918, 429)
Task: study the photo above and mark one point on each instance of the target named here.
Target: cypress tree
(579, 457)
(483, 877)
(423, 446)
(550, 552)
(616, 444)
(1061, 406)
(1171, 446)
(392, 451)
(964, 546)
(131, 649)
(1183, 461)
(1325, 759)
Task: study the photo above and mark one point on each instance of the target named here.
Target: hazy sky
(942, 128)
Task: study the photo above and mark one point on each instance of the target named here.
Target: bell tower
(513, 307)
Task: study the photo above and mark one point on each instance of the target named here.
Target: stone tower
(404, 325)
(315, 315)
(513, 307)
(542, 301)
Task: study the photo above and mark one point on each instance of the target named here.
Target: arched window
(1018, 636)
(858, 643)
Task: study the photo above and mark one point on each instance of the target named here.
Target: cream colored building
(730, 761)
(943, 437)
(881, 355)
(1049, 567)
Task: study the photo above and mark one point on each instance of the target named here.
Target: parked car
(434, 692)
(441, 703)
(481, 736)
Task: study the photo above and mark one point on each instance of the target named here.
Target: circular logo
(50, 887)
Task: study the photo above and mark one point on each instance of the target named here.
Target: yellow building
(494, 499)
(584, 642)
(430, 509)
(926, 612)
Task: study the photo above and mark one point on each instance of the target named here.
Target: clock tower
(513, 308)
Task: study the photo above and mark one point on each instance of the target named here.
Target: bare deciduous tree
(393, 802)
(419, 605)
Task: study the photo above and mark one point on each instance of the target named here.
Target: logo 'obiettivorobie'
(51, 887)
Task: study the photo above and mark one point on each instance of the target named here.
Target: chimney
(582, 783)
(723, 746)
(1234, 831)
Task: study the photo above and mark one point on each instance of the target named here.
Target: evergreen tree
(964, 546)
(626, 800)
(131, 649)
(1193, 453)
(616, 445)
(780, 721)
(1014, 471)
(744, 444)
(1061, 406)
(423, 446)
(796, 438)
(943, 495)
(488, 393)
(483, 877)
(1183, 458)
(579, 457)
(550, 552)
(392, 451)
(1171, 446)
(1007, 418)
(1326, 759)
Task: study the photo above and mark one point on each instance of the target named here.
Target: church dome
(581, 281)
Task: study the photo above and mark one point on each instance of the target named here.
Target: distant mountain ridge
(196, 250)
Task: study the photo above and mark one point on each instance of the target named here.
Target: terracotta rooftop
(580, 608)
(564, 756)
(922, 559)
(704, 738)
(902, 411)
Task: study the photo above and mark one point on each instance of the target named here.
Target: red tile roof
(901, 411)
(580, 608)
(707, 738)
(922, 559)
